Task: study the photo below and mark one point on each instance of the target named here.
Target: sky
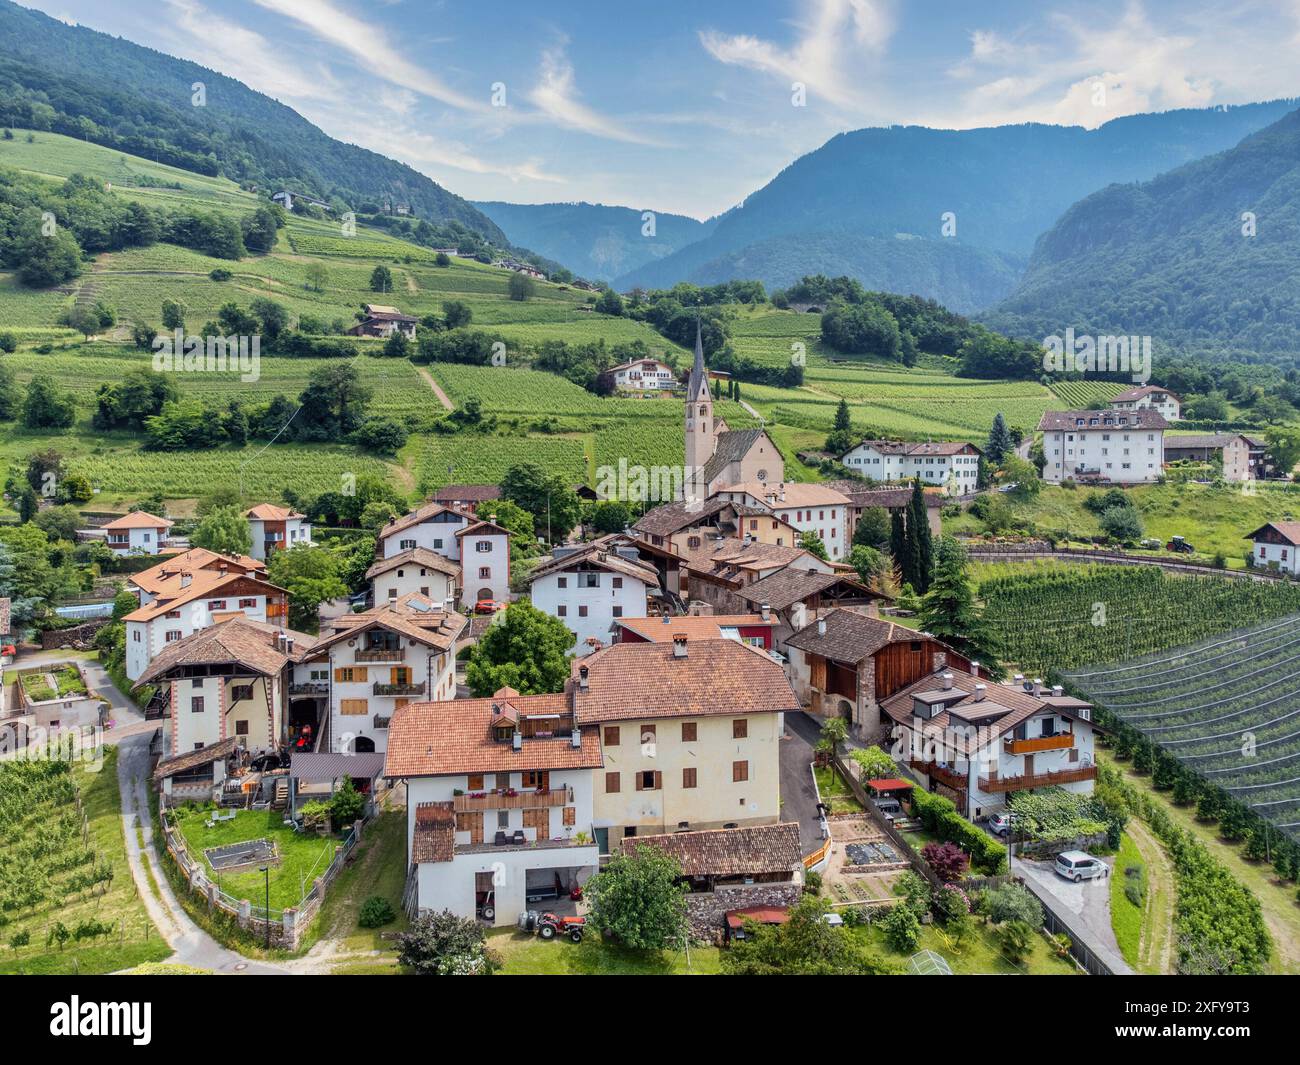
(688, 107)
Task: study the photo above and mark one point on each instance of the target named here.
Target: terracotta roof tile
(850, 636)
(790, 585)
(270, 512)
(704, 627)
(728, 851)
(416, 556)
(434, 838)
(138, 519)
(240, 640)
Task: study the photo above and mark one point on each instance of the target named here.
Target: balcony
(1063, 742)
(380, 654)
(955, 780)
(520, 800)
(397, 689)
(996, 785)
(314, 687)
(382, 722)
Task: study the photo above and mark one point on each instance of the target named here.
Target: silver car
(1076, 866)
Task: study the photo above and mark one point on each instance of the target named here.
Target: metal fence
(1055, 924)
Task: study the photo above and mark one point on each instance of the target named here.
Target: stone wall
(705, 910)
(79, 637)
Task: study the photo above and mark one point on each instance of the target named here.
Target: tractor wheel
(547, 931)
(576, 935)
(489, 913)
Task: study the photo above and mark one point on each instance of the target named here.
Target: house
(137, 533)
(1244, 455)
(976, 742)
(284, 198)
(276, 528)
(397, 652)
(499, 801)
(809, 508)
(796, 596)
(1150, 397)
(485, 562)
(590, 586)
(193, 591)
(228, 680)
(690, 731)
(753, 629)
(1276, 546)
(716, 456)
(861, 497)
(684, 525)
(465, 496)
(431, 526)
(952, 464)
(755, 873)
(844, 664)
(417, 569)
(1112, 447)
(722, 574)
(644, 375)
(197, 775)
(383, 321)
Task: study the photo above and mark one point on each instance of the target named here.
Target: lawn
(32, 861)
(978, 956)
(525, 955)
(303, 857)
(1126, 916)
(835, 792)
(377, 869)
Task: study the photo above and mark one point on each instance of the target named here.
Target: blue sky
(688, 107)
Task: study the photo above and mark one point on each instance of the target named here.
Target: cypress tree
(898, 541)
(999, 441)
(921, 549)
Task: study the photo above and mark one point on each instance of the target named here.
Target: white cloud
(426, 152)
(556, 97)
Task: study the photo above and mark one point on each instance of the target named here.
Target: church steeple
(701, 435)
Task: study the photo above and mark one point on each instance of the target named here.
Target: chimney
(679, 645)
(765, 612)
(1018, 679)
(1038, 687)
(1057, 691)
(583, 673)
(288, 645)
(576, 737)
(821, 626)
(979, 693)
(947, 681)
(185, 580)
(517, 741)
(974, 669)
(668, 619)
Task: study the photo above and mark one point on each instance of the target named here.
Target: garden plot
(864, 866)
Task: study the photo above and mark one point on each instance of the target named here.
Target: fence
(283, 927)
(1092, 962)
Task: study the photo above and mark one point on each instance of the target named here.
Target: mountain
(1170, 258)
(595, 241)
(1005, 185)
(104, 89)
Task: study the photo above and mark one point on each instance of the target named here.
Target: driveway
(798, 796)
(1085, 906)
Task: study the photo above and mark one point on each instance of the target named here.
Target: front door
(539, 819)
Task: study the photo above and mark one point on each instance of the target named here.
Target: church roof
(733, 446)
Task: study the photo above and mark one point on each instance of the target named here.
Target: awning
(890, 784)
(758, 914)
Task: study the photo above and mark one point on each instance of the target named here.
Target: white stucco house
(137, 533)
(810, 508)
(432, 527)
(644, 375)
(1276, 546)
(1111, 447)
(418, 570)
(1151, 397)
(952, 464)
(484, 562)
(590, 586)
(499, 803)
(275, 528)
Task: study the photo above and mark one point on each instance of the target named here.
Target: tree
(840, 439)
(45, 261)
(920, 553)
(611, 516)
(11, 400)
(520, 287)
(999, 441)
(516, 521)
(948, 860)
(59, 523)
(863, 328)
(812, 543)
(442, 259)
(805, 945)
(948, 610)
(140, 394)
(554, 505)
(1284, 448)
(382, 435)
(524, 649)
(274, 318)
(898, 542)
(381, 279)
(173, 314)
(333, 403)
(83, 320)
(1011, 902)
(310, 575)
(902, 929)
(224, 530)
(457, 314)
(76, 488)
(1023, 474)
(869, 563)
(316, 276)
(640, 900)
(442, 944)
(872, 529)
(346, 804)
(1123, 524)
(835, 730)
(874, 763)
(611, 303)
(1212, 407)
(46, 407)
(397, 346)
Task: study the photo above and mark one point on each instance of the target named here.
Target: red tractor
(550, 925)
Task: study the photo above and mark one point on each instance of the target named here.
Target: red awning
(890, 784)
(761, 914)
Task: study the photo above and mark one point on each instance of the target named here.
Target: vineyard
(1055, 616)
(1077, 395)
(1227, 708)
(67, 899)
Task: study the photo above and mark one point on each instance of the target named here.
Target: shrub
(1011, 902)
(812, 882)
(947, 860)
(902, 929)
(1015, 937)
(376, 911)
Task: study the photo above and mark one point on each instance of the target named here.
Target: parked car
(1076, 866)
(888, 808)
(1000, 824)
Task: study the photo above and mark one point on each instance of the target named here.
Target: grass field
(978, 956)
(45, 848)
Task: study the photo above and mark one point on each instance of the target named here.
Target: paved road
(798, 796)
(1084, 906)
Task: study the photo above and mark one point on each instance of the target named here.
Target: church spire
(699, 376)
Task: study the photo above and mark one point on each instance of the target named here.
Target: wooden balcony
(995, 785)
(521, 800)
(1062, 742)
(315, 687)
(955, 780)
(379, 654)
(397, 689)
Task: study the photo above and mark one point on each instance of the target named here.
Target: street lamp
(265, 870)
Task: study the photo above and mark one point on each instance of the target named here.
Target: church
(716, 456)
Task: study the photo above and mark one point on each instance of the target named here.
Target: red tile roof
(728, 851)
(434, 838)
(138, 520)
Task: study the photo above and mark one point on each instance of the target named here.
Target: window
(739, 728)
(172, 635)
(353, 707)
(406, 545)
(562, 582)
(503, 819)
(611, 735)
(582, 611)
(196, 704)
(611, 784)
(240, 692)
(482, 546)
(618, 582)
(561, 611)
(216, 604)
(474, 782)
(618, 611)
(135, 635)
(570, 815)
(739, 771)
(588, 580)
(485, 573)
(536, 778)
(688, 777)
(437, 545)
(688, 731)
(648, 780)
(241, 728)
(350, 675)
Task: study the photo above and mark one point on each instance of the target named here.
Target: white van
(1076, 866)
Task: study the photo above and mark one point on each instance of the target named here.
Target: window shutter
(659, 780)
(394, 675)
(338, 675)
(638, 781)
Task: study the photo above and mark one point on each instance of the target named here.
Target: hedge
(940, 817)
